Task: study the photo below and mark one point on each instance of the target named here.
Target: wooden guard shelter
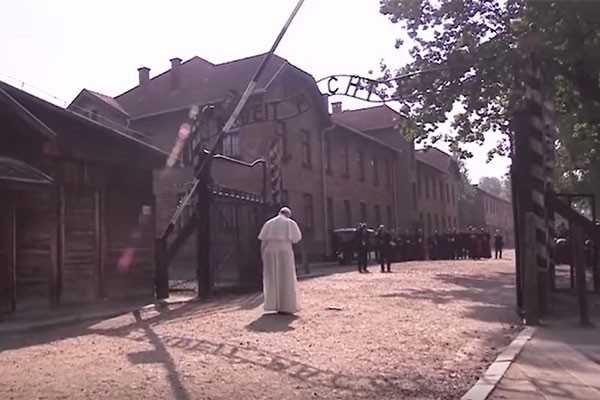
(76, 207)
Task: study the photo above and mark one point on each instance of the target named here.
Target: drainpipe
(324, 188)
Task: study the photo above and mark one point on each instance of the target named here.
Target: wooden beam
(12, 251)
(580, 278)
(98, 256)
(202, 217)
(531, 274)
(38, 126)
(60, 241)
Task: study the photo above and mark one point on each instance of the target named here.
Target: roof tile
(200, 82)
(368, 119)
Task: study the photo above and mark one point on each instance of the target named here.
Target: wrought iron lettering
(357, 87)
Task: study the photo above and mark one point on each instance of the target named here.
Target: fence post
(595, 261)
(531, 273)
(580, 278)
(161, 272)
(204, 276)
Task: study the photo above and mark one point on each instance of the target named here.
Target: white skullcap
(285, 210)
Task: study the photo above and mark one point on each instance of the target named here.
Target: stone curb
(492, 376)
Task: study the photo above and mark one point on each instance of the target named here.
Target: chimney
(144, 74)
(336, 107)
(175, 63)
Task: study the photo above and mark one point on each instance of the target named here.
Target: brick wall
(347, 186)
(437, 196)
(405, 175)
(495, 213)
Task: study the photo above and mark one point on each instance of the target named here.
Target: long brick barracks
(338, 167)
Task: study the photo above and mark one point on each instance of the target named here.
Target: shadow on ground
(272, 323)
(375, 385)
(165, 314)
(478, 291)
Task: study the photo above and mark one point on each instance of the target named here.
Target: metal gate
(235, 221)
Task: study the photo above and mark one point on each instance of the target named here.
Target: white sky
(59, 47)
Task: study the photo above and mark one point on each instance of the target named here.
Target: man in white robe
(279, 268)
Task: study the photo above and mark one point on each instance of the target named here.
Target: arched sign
(357, 87)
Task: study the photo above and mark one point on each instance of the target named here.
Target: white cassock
(279, 268)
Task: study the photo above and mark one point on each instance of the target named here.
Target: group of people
(279, 234)
(390, 247)
(563, 250)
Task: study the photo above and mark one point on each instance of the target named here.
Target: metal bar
(232, 118)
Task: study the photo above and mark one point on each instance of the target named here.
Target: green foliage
(465, 194)
(498, 187)
(477, 45)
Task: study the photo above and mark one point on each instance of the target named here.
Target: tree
(465, 195)
(498, 187)
(473, 46)
(492, 185)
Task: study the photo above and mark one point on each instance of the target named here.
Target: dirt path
(426, 331)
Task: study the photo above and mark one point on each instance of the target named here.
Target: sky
(53, 49)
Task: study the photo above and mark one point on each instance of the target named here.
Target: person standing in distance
(498, 244)
(362, 246)
(384, 240)
(277, 237)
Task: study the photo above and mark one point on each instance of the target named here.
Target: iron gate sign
(357, 87)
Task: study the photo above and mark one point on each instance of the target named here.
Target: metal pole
(232, 118)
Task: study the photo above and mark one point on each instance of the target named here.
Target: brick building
(492, 213)
(438, 179)
(381, 124)
(336, 171)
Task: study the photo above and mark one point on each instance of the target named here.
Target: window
(348, 213)
(427, 187)
(450, 223)
(388, 172)
(231, 145)
(94, 114)
(443, 223)
(282, 133)
(437, 222)
(455, 223)
(306, 150)
(414, 195)
(377, 214)
(346, 161)
(428, 222)
(361, 166)
(375, 171)
(433, 189)
(309, 212)
(330, 219)
(327, 151)
(363, 212)
(419, 185)
(441, 191)
(447, 194)
(390, 217)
